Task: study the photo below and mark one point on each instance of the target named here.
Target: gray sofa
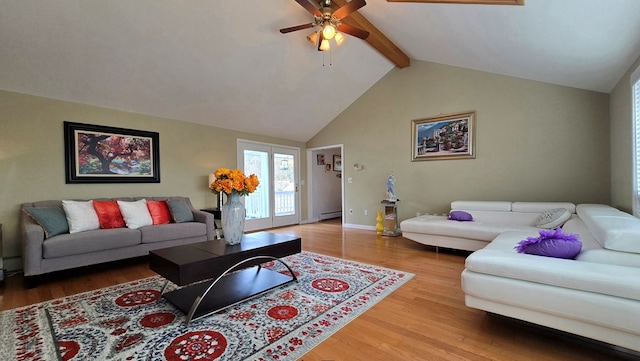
(42, 255)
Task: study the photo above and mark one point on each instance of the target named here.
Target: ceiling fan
(329, 20)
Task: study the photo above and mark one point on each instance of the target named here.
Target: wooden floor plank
(425, 319)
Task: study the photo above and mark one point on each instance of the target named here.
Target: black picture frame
(337, 163)
(101, 154)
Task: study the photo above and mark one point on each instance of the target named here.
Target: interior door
(276, 201)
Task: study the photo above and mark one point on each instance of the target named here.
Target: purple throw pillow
(460, 216)
(551, 243)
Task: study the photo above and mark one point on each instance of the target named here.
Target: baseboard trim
(359, 226)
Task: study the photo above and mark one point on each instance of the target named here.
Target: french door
(276, 201)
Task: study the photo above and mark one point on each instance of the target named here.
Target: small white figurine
(391, 193)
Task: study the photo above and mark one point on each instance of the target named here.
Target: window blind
(635, 92)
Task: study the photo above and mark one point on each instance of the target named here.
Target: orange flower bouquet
(233, 181)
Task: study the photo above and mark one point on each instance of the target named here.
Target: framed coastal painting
(100, 154)
(450, 136)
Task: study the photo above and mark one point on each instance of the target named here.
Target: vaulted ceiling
(224, 63)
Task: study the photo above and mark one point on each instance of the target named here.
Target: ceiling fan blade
(358, 33)
(296, 28)
(347, 9)
(310, 8)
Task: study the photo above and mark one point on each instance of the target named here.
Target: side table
(217, 217)
(391, 226)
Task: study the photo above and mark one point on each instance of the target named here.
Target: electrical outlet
(365, 212)
(351, 211)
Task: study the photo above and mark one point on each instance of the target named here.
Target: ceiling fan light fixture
(339, 38)
(313, 38)
(324, 45)
(329, 31)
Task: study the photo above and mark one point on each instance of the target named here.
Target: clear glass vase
(233, 214)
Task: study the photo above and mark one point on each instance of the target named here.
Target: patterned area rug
(126, 322)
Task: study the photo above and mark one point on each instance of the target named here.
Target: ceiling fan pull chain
(330, 59)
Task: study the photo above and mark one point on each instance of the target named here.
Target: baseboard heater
(329, 215)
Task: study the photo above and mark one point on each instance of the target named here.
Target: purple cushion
(460, 216)
(551, 243)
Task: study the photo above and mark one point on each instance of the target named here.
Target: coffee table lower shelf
(229, 290)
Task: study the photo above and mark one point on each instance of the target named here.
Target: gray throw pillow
(180, 211)
(52, 219)
(553, 218)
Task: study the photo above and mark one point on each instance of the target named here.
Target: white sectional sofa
(595, 295)
(490, 218)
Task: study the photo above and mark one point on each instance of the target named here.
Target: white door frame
(240, 165)
(310, 163)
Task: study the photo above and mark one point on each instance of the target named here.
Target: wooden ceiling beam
(376, 38)
(477, 2)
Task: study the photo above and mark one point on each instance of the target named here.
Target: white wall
(327, 187)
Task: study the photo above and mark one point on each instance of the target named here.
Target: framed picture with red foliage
(99, 154)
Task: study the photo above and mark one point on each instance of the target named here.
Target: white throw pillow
(81, 216)
(553, 218)
(135, 214)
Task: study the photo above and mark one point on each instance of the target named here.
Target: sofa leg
(31, 281)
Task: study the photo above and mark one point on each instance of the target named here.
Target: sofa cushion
(505, 218)
(165, 232)
(500, 206)
(539, 207)
(135, 214)
(612, 228)
(592, 250)
(180, 210)
(89, 241)
(159, 211)
(553, 218)
(470, 230)
(501, 260)
(109, 214)
(81, 216)
(52, 219)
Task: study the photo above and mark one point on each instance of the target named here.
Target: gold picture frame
(449, 136)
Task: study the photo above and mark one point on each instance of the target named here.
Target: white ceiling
(224, 63)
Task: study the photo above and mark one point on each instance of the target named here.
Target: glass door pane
(256, 159)
(286, 199)
(257, 203)
(284, 185)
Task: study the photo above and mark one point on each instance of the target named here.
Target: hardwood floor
(425, 319)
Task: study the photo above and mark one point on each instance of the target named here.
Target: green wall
(534, 142)
(32, 157)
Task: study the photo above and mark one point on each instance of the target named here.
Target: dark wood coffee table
(234, 271)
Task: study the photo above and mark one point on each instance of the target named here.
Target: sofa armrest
(208, 219)
(32, 240)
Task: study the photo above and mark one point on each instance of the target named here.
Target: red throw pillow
(159, 211)
(109, 214)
